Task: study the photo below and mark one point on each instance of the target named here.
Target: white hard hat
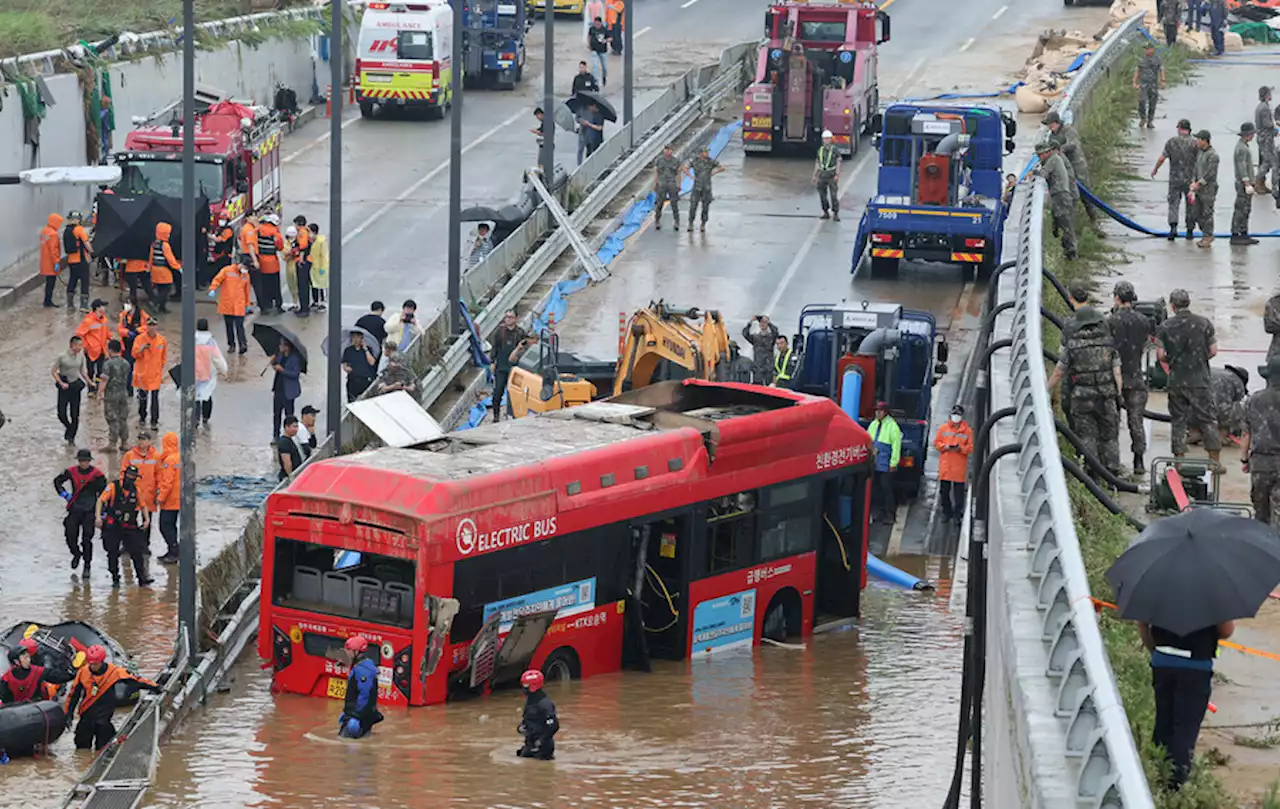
(826, 133)
(291, 232)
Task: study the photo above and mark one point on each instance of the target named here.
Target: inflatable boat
(30, 726)
(62, 647)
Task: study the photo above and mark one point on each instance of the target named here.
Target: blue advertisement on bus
(567, 599)
(724, 623)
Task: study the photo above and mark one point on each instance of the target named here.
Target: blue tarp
(237, 491)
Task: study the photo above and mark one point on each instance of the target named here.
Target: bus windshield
(165, 177)
(366, 586)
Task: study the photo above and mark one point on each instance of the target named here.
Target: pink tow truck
(816, 71)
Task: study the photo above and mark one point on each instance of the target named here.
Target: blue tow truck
(493, 33)
(863, 353)
(940, 195)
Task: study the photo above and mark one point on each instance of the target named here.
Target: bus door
(841, 555)
(662, 554)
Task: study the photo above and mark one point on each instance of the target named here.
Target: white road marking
(431, 175)
(967, 45)
(813, 236)
(999, 12)
(642, 32)
(686, 5)
(895, 533)
(289, 158)
(912, 77)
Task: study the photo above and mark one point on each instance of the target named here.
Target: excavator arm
(694, 341)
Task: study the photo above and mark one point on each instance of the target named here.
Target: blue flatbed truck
(493, 33)
(861, 353)
(940, 190)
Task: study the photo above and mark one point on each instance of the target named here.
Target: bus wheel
(783, 616)
(562, 666)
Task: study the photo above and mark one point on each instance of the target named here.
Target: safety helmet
(826, 133)
(74, 216)
(532, 680)
(96, 654)
(30, 645)
(353, 727)
(357, 644)
(882, 405)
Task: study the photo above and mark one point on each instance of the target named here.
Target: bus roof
(688, 430)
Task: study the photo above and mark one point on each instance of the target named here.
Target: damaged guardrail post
(595, 268)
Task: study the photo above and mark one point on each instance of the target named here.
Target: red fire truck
(237, 157)
(676, 520)
(816, 71)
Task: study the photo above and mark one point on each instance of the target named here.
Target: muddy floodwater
(859, 717)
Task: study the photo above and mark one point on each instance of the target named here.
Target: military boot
(1205, 240)
(1173, 231)
(1260, 186)
(1139, 468)
(1214, 455)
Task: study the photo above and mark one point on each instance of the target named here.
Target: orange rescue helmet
(356, 644)
(96, 654)
(532, 680)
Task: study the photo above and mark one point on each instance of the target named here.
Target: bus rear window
(415, 45)
(365, 586)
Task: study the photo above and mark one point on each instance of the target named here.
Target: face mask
(955, 419)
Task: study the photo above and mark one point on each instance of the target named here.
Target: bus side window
(789, 524)
(731, 529)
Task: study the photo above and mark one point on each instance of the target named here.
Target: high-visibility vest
(780, 366)
(827, 158)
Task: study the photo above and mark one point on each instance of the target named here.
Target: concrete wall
(138, 88)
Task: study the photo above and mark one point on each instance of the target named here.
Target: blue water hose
(1132, 225)
(884, 571)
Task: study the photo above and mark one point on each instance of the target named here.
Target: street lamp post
(187, 425)
(455, 175)
(628, 81)
(337, 62)
(549, 93)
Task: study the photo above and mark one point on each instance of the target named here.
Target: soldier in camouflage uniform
(1181, 151)
(1130, 332)
(1260, 447)
(1271, 324)
(1062, 195)
(1170, 10)
(703, 167)
(1065, 137)
(1230, 387)
(1265, 122)
(762, 344)
(826, 177)
(1092, 364)
(1148, 78)
(1204, 186)
(1187, 342)
(667, 170)
(1242, 160)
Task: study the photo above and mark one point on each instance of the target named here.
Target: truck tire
(884, 267)
(366, 109)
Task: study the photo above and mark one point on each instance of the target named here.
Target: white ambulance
(404, 57)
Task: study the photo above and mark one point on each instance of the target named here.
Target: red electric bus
(680, 519)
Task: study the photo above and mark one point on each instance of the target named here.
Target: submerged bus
(680, 519)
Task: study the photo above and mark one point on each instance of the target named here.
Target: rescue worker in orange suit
(223, 241)
(954, 443)
(270, 246)
(169, 495)
(232, 285)
(79, 250)
(87, 483)
(132, 321)
(614, 17)
(94, 332)
(125, 525)
(27, 682)
(163, 263)
(94, 693)
(147, 459)
(360, 710)
(249, 247)
(50, 257)
(301, 249)
(150, 353)
(539, 723)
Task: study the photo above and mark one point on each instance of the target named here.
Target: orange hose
(1099, 603)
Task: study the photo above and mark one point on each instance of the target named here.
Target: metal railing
(1059, 730)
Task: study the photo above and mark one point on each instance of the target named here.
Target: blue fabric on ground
(477, 345)
(478, 412)
(237, 491)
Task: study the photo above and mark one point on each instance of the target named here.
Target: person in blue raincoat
(360, 711)
(886, 449)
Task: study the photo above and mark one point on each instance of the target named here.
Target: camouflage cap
(1052, 118)
(1204, 135)
(1125, 292)
(1240, 372)
(1247, 128)
(1079, 291)
(1184, 125)
(1179, 298)
(1044, 146)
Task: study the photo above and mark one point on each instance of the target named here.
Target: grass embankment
(29, 26)
(1104, 128)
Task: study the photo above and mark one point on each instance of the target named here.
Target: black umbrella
(370, 342)
(578, 102)
(486, 213)
(269, 336)
(1196, 569)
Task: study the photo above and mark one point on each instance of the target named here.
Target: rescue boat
(30, 726)
(62, 646)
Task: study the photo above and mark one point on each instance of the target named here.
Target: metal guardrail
(1063, 738)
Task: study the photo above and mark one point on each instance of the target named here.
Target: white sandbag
(1029, 101)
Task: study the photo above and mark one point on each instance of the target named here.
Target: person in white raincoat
(209, 363)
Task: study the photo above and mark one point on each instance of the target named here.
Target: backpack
(70, 244)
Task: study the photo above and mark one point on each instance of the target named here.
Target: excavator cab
(546, 378)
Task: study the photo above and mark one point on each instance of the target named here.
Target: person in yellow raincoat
(319, 267)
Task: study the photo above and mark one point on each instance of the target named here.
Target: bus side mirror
(939, 371)
(884, 27)
(1008, 145)
(942, 353)
(1010, 125)
(877, 123)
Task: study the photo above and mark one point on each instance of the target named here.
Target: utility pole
(337, 62)
(187, 425)
(455, 175)
(549, 94)
(628, 82)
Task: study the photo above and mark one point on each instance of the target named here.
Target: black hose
(1053, 279)
(1052, 318)
(1154, 416)
(1101, 496)
(1094, 463)
(993, 282)
(989, 320)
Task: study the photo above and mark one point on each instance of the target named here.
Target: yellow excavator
(661, 343)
